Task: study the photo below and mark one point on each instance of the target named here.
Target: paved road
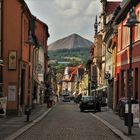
(66, 122)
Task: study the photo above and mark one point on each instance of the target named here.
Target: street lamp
(27, 107)
(131, 22)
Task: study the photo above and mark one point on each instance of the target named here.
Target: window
(126, 35)
(25, 32)
(119, 39)
(137, 28)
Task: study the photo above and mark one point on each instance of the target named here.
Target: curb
(23, 129)
(115, 130)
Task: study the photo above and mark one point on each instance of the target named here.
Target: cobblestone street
(66, 122)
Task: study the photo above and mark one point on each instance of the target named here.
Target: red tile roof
(80, 66)
(72, 73)
(71, 69)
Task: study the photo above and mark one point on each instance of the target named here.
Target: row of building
(73, 78)
(114, 64)
(23, 56)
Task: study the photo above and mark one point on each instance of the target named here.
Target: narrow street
(66, 122)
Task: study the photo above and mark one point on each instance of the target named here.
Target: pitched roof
(81, 66)
(71, 69)
(126, 5)
(111, 6)
(73, 72)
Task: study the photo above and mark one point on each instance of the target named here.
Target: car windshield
(87, 98)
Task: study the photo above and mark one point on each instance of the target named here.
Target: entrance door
(22, 87)
(117, 92)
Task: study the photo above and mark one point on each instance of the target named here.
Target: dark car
(66, 98)
(89, 103)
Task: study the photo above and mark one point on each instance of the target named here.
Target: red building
(15, 20)
(122, 58)
(19, 40)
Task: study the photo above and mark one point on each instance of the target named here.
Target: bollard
(126, 119)
(27, 113)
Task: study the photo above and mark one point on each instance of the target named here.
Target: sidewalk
(112, 119)
(12, 124)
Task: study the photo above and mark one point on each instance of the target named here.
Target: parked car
(89, 103)
(66, 98)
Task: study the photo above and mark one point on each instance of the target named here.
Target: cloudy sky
(65, 17)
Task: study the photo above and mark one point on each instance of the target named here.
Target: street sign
(107, 75)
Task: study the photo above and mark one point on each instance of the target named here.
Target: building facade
(19, 54)
(103, 54)
(122, 68)
(114, 39)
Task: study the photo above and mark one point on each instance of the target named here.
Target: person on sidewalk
(1, 109)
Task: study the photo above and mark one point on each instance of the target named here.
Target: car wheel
(81, 110)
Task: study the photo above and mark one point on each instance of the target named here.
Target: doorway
(22, 87)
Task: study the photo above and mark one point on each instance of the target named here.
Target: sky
(65, 17)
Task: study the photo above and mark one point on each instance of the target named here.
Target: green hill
(75, 54)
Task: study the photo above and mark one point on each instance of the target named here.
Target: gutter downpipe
(104, 73)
